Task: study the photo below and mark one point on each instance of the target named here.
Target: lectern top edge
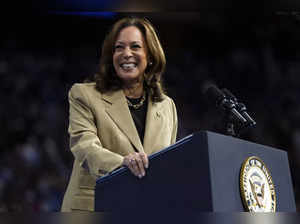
(154, 155)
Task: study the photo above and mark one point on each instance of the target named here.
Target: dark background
(253, 51)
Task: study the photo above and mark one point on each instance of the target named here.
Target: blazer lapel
(153, 123)
(117, 109)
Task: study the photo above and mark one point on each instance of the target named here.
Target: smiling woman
(144, 40)
(122, 117)
(130, 59)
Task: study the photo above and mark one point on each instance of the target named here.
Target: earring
(150, 63)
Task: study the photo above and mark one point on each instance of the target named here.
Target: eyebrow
(133, 42)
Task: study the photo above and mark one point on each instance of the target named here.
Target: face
(130, 55)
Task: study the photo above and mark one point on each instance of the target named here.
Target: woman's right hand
(137, 163)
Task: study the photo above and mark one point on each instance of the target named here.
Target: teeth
(128, 66)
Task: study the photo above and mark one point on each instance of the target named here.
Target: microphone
(216, 95)
(240, 107)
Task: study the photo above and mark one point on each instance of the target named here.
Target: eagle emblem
(256, 186)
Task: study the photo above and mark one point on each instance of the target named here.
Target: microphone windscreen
(214, 94)
(205, 85)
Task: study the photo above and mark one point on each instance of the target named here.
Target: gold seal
(256, 186)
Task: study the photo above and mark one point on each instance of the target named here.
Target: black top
(139, 116)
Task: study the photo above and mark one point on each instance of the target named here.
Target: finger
(140, 164)
(144, 157)
(128, 161)
(134, 167)
(133, 171)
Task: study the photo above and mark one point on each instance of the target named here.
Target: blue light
(85, 13)
(82, 5)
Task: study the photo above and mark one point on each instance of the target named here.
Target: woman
(123, 116)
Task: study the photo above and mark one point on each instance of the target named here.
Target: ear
(150, 60)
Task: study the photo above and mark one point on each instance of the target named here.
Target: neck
(133, 90)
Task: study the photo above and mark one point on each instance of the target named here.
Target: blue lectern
(198, 173)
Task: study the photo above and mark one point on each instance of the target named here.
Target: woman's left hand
(137, 162)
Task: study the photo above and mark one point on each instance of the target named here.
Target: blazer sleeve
(84, 141)
(175, 123)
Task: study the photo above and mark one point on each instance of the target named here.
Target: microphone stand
(233, 121)
(235, 117)
(229, 125)
(241, 108)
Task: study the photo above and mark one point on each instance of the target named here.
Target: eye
(136, 46)
(118, 46)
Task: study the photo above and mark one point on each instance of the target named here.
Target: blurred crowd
(35, 161)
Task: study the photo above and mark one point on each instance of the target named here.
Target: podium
(198, 173)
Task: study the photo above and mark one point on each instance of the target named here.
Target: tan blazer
(102, 131)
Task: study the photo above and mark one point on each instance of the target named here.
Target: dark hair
(106, 78)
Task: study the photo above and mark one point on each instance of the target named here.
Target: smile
(128, 65)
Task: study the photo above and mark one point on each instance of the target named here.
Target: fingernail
(140, 176)
(143, 174)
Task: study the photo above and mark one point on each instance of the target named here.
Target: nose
(127, 53)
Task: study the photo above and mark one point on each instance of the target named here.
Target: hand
(137, 162)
